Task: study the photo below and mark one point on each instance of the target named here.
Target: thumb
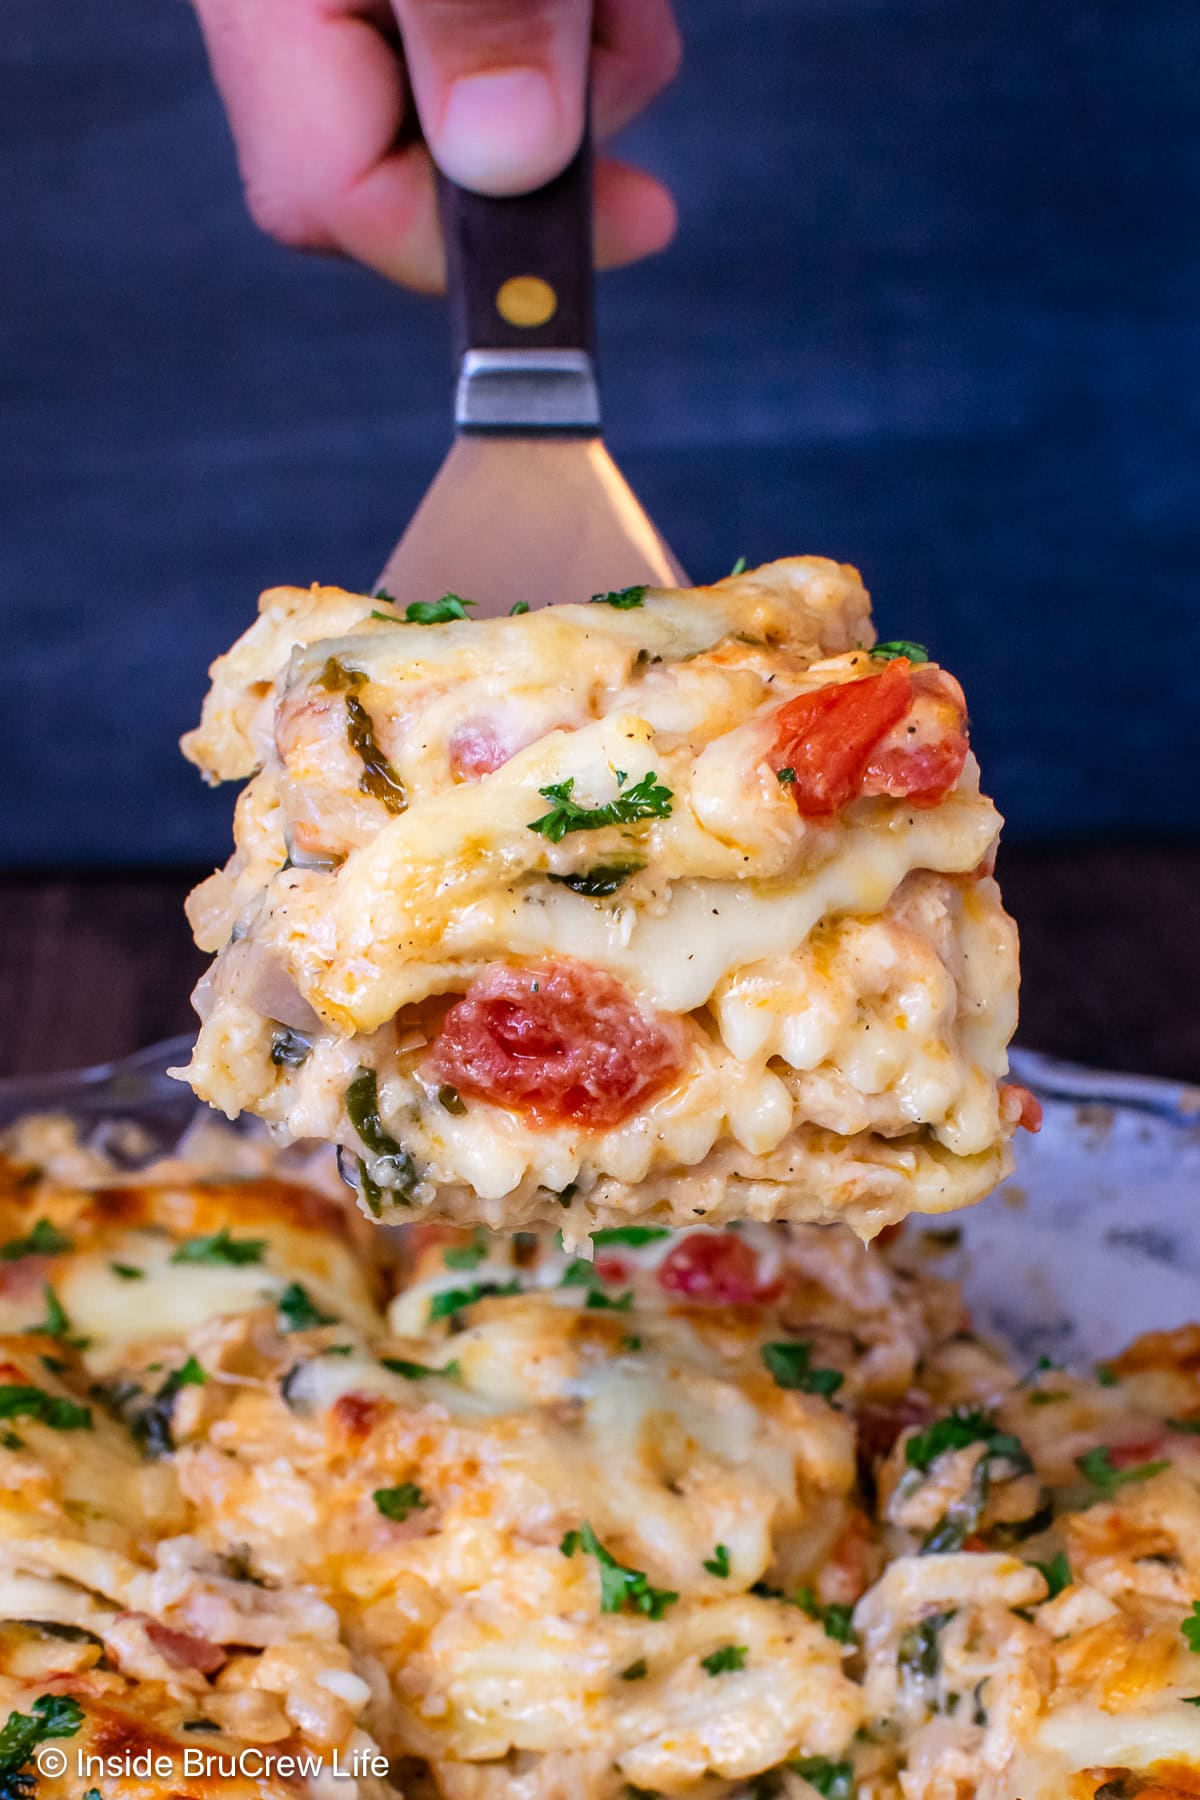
(499, 86)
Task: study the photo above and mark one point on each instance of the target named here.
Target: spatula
(528, 507)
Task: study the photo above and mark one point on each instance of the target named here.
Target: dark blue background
(933, 308)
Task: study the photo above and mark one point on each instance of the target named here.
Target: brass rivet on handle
(526, 300)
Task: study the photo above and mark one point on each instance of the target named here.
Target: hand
(320, 97)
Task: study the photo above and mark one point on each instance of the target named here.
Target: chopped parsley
(718, 1563)
(619, 1586)
(1040, 1367)
(636, 1671)
(297, 1310)
(392, 1167)
(646, 799)
(149, 1418)
(397, 1502)
(289, 1049)
(52, 1716)
(835, 1780)
(957, 1431)
(152, 1428)
(1057, 1573)
(1106, 1375)
(739, 567)
(439, 612)
(965, 1425)
(786, 776)
(517, 608)
(452, 1300)
(128, 1271)
(579, 1273)
(189, 1374)
(415, 1371)
(633, 1235)
(599, 882)
(451, 1099)
(834, 1619)
(44, 1240)
(56, 1323)
(18, 1401)
(597, 1301)
(790, 1364)
(1190, 1426)
(896, 647)
(467, 1256)
(220, 1247)
(1096, 1466)
(1191, 1627)
(624, 599)
(725, 1660)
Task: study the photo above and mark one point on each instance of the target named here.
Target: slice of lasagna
(676, 904)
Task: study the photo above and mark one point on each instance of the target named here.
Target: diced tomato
(900, 733)
(1019, 1107)
(921, 758)
(721, 1269)
(182, 1649)
(1140, 1449)
(826, 738)
(557, 1042)
(354, 1416)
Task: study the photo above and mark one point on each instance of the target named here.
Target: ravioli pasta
(676, 904)
(718, 1515)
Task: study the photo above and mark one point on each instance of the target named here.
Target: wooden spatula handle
(519, 270)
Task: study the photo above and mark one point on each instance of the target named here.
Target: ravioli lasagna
(720, 1515)
(674, 905)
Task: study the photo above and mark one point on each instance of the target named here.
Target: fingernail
(502, 131)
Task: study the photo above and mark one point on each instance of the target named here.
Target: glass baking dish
(1094, 1239)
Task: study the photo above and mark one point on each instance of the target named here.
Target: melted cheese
(469, 1637)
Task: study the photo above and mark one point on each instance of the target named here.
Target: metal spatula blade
(528, 506)
(532, 519)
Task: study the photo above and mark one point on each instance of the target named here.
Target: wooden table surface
(94, 966)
